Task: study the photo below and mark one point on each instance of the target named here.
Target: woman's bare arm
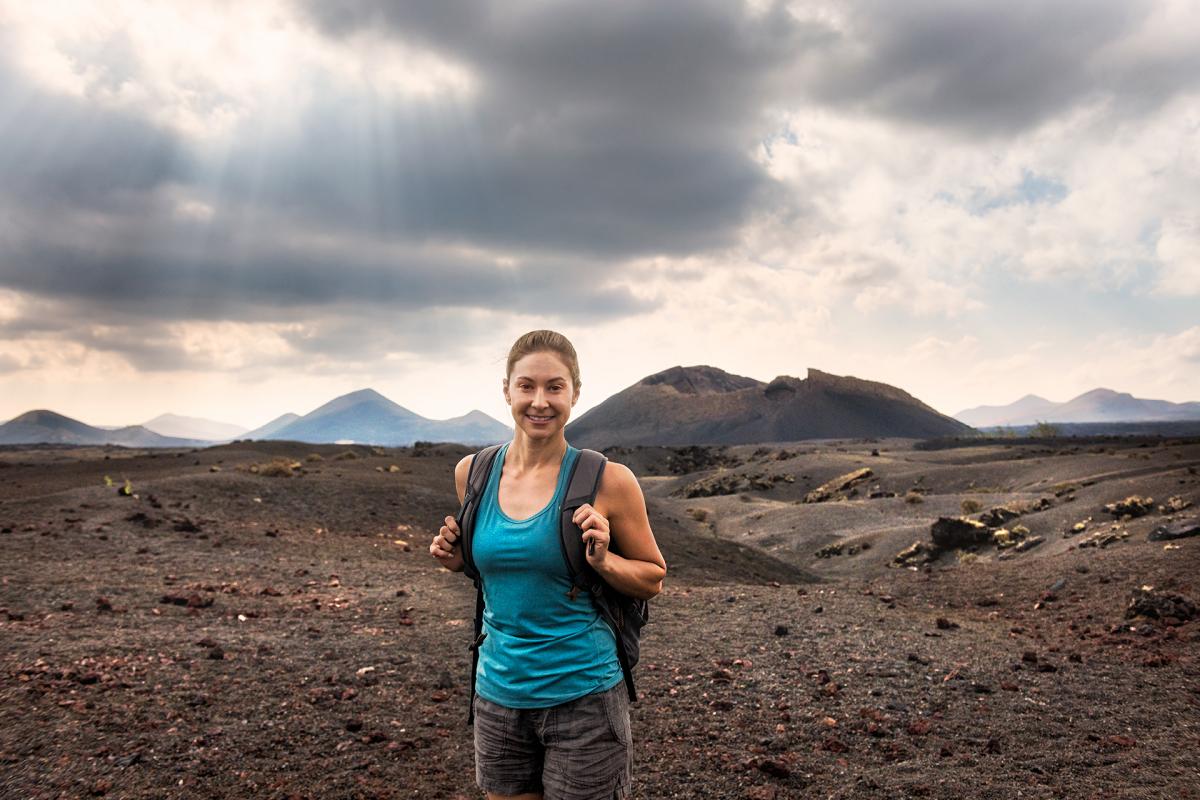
(639, 568)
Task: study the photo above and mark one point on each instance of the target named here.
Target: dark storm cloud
(59, 151)
(996, 68)
(616, 127)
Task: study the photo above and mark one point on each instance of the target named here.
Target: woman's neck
(526, 454)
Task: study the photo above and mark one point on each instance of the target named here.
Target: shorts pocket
(616, 709)
(491, 731)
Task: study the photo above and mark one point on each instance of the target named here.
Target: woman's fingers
(449, 531)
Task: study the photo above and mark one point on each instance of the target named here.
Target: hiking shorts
(579, 750)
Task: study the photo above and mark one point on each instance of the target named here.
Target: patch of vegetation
(971, 506)
(1044, 430)
(913, 498)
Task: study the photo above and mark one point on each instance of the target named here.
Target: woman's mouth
(538, 420)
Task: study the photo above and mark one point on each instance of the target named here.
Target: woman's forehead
(540, 366)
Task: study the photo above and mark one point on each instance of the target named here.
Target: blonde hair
(540, 342)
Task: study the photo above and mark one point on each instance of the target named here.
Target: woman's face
(541, 394)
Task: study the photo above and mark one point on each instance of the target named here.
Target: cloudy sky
(237, 209)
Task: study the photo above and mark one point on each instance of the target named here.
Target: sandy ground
(222, 633)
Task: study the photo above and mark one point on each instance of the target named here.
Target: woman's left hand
(595, 529)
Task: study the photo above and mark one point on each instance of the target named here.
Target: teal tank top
(542, 648)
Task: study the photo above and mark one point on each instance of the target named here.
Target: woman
(551, 709)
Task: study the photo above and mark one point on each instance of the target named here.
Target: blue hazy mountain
(48, 427)
(1098, 405)
(279, 423)
(368, 417)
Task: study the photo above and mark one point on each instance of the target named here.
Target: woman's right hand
(443, 546)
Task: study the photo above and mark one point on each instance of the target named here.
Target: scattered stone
(944, 624)
(103, 604)
(1170, 609)
(950, 533)
(1029, 544)
(1174, 505)
(998, 516)
(216, 653)
(914, 555)
(829, 489)
(1134, 506)
(1175, 530)
(781, 630)
(726, 483)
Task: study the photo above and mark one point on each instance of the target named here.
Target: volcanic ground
(264, 620)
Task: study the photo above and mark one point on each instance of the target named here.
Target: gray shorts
(579, 750)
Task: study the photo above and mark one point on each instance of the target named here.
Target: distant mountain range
(47, 427)
(678, 406)
(364, 416)
(706, 405)
(1098, 405)
(367, 416)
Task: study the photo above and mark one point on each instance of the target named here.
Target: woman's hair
(543, 341)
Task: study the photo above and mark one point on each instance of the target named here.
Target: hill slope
(705, 405)
(367, 416)
(47, 427)
(1098, 405)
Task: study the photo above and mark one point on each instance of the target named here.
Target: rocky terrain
(264, 620)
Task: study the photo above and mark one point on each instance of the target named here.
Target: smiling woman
(551, 712)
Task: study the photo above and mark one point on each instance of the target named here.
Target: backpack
(624, 614)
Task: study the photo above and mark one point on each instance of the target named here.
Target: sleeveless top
(542, 648)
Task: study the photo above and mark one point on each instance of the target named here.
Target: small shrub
(966, 558)
(348, 455)
(279, 468)
(1044, 430)
(698, 514)
(970, 506)
(313, 457)
(913, 498)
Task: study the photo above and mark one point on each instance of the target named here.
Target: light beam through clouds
(236, 210)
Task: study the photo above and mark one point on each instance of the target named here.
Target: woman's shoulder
(617, 480)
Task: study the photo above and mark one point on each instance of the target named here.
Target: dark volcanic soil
(223, 633)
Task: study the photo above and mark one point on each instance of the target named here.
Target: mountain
(47, 427)
(1030, 407)
(280, 422)
(1098, 405)
(193, 428)
(367, 416)
(706, 405)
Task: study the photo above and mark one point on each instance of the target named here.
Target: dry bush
(698, 514)
(970, 506)
(279, 468)
(348, 455)
(313, 457)
(913, 498)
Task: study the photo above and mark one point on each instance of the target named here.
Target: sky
(235, 210)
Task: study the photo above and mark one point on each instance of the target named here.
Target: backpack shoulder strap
(477, 479)
(582, 485)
